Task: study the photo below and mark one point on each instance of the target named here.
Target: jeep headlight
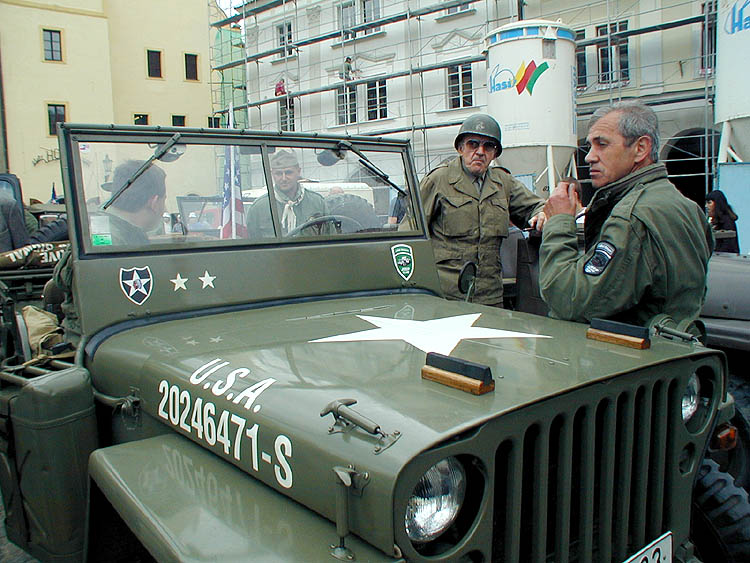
(435, 500)
(691, 398)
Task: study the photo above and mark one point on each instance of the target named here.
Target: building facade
(416, 69)
(96, 61)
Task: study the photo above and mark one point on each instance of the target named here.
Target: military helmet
(480, 124)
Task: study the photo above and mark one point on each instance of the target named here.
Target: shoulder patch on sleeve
(603, 254)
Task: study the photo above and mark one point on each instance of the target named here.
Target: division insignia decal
(136, 284)
(603, 253)
(403, 259)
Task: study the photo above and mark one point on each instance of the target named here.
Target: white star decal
(207, 279)
(438, 335)
(136, 284)
(179, 282)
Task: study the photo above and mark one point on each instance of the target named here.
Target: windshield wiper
(158, 153)
(370, 165)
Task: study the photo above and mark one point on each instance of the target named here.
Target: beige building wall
(81, 82)
(103, 75)
(174, 28)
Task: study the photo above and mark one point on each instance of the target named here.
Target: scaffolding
(410, 50)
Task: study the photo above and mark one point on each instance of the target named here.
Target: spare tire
(354, 207)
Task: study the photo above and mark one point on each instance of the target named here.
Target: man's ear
(152, 202)
(643, 149)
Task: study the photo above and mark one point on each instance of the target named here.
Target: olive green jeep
(303, 392)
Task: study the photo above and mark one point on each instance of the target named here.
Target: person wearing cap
(468, 206)
(646, 245)
(295, 204)
(136, 211)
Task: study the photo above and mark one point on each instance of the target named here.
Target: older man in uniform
(295, 204)
(646, 246)
(468, 206)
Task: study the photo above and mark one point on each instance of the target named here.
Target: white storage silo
(732, 78)
(531, 92)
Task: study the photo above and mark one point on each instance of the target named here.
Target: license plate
(658, 551)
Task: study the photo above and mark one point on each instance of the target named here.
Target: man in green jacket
(646, 245)
(468, 206)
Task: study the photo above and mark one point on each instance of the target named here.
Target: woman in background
(722, 218)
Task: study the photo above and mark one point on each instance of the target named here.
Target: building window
(459, 86)
(457, 9)
(214, 122)
(708, 38)
(580, 60)
(347, 19)
(140, 118)
(52, 45)
(191, 67)
(377, 104)
(613, 58)
(284, 33)
(154, 63)
(55, 115)
(370, 13)
(286, 114)
(346, 105)
(178, 121)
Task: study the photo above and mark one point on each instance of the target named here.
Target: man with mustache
(468, 206)
(646, 245)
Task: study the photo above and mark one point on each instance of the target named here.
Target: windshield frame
(73, 136)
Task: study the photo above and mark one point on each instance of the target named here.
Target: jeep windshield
(163, 188)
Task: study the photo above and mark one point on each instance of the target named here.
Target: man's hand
(563, 199)
(537, 221)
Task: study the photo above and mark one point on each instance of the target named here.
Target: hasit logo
(737, 20)
(525, 77)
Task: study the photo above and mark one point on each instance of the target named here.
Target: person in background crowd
(722, 218)
(13, 233)
(646, 245)
(468, 206)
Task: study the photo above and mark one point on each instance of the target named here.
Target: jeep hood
(274, 370)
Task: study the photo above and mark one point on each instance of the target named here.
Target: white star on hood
(438, 335)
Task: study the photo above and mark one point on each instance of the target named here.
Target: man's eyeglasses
(473, 145)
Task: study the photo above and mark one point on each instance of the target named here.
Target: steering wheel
(339, 222)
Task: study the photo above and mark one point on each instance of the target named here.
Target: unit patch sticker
(603, 253)
(136, 283)
(403, 259)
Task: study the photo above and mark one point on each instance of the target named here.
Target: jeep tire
(720, 521)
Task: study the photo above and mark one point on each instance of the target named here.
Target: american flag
(232, 215)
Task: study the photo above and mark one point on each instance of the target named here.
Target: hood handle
(345, 418)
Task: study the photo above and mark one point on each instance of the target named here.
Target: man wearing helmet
(468, 206)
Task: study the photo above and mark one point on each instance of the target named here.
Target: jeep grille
(589, 477)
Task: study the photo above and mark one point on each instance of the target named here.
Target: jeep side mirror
(466, 278)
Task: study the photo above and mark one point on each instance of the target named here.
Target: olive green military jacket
(260, 224)
(465, 226)
(649, 257)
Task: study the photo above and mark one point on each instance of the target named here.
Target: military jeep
(309, 395)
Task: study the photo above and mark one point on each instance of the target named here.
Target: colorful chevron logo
(527, 76)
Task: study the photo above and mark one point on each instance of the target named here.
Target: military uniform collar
(641, 176)
(606, 197)
(463, 182)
